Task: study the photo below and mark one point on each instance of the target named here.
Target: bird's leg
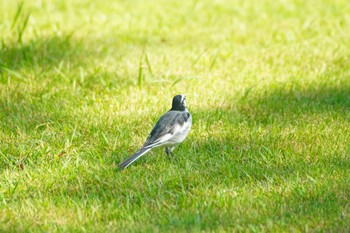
(169, 151)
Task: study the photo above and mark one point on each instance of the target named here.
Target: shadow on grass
(42, 53)
(21, 116)
(284, 104)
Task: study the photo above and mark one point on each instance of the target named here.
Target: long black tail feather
(133, 158)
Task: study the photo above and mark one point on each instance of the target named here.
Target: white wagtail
(171, 129)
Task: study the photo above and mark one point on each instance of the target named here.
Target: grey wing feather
(166, 125)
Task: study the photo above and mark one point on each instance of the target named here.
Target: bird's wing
(166, 126)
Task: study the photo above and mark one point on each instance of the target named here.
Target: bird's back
(173, 127)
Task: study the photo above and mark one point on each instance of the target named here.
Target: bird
(170, 130)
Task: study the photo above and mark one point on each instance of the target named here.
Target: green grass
(83, 82)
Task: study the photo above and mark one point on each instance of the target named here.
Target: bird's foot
(169, 152)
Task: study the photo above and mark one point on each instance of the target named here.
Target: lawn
(82, 83)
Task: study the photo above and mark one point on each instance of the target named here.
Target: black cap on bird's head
(179, 103)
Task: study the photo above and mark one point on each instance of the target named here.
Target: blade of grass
(22, 28)
(9, 71)
(213, 62)
(246, 93)
(148, 64)
(18, 12)
(199, 57)
(140, 73)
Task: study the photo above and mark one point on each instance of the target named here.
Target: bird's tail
(133, 158)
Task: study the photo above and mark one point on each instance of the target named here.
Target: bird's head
(179, 103)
